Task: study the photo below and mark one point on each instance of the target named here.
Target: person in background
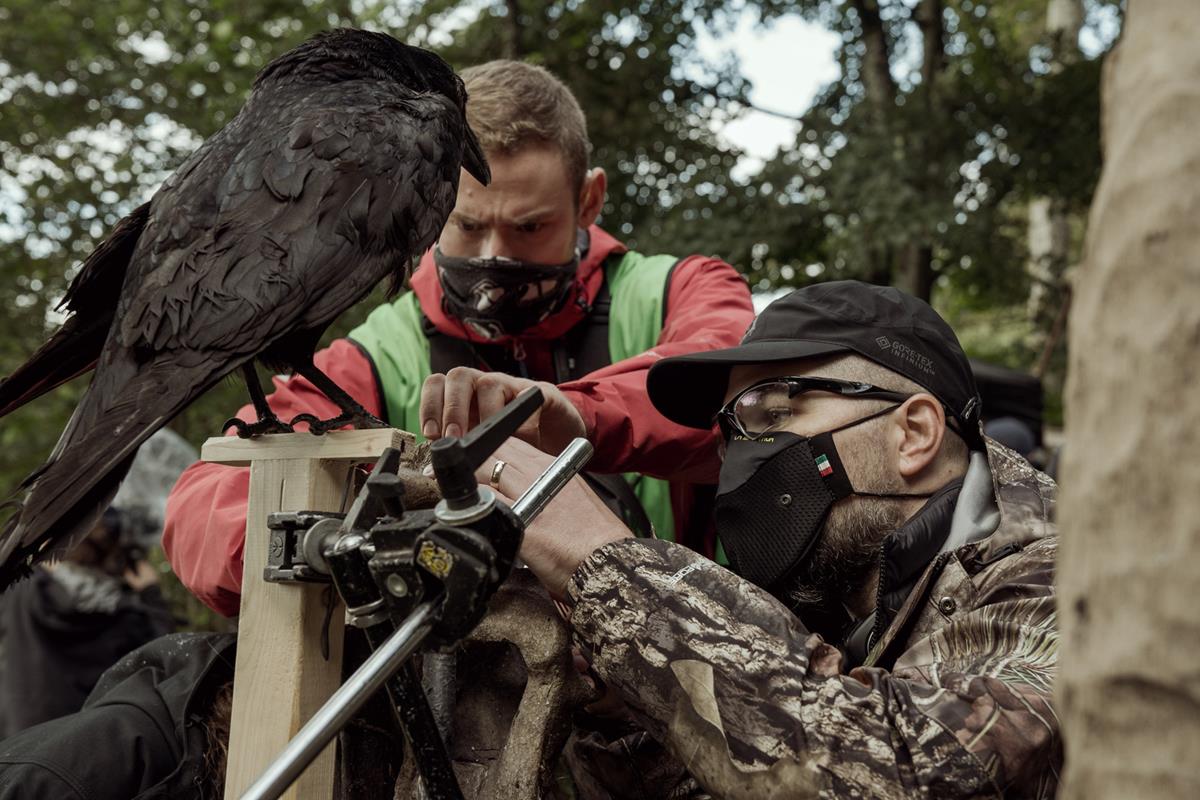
(71, 620)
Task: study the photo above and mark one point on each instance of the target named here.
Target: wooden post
(281, 677)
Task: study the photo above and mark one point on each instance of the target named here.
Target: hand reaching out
(575, 523)
(453, 403)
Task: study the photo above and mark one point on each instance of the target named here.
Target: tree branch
(769, 111)
(743, 101)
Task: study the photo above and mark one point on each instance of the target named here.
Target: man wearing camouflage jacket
(861, 507)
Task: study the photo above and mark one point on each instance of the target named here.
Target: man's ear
(591, 196)
(922, 425)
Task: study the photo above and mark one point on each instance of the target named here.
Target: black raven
(341, 166)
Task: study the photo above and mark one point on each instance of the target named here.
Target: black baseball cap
(880, 323)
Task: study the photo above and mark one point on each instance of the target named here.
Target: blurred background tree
(922, 164)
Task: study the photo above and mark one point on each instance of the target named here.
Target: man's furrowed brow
(544, 214)
(458, 216)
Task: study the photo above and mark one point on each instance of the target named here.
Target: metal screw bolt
(396, 585)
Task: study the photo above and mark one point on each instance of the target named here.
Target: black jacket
(140, 734)
(61, 631)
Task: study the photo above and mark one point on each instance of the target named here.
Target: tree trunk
(917, 267)
(913, 269)
(1129, 581)
(1049, 243)
(877, 71)
(917, 270)
(1049, 236)
(929, 20)
(512, 43)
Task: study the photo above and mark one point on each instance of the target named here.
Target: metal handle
(337, 711)
(568, 464)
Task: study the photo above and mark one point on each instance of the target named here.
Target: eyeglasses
(768, 405)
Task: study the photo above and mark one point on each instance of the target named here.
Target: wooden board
(280, 677)
(355, 446)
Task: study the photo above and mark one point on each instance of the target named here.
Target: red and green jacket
(661, 306)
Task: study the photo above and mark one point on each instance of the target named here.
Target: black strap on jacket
(582, 351)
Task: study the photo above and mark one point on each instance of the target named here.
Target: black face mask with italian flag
(773, 496)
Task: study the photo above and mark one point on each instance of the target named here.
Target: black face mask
(497, 297)
(773, 497)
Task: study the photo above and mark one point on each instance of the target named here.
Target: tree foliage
(650, 100)
(945, 120)
(101, 101)
(911, 167)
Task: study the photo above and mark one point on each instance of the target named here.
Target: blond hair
(511, 105)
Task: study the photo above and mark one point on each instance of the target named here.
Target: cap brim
(690, 389)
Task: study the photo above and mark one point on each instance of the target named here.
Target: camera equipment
(410, 579)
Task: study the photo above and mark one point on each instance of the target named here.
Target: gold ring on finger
(496, 470)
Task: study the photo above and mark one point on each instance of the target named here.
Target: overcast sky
(788, 64)
(791, 60)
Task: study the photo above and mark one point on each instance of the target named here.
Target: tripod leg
(420, 727)
(369, 747)
(352, 577)
(438, 681)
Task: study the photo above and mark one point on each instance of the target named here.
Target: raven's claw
(248, 430)
(356, 420)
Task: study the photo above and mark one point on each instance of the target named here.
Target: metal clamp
(294, 553)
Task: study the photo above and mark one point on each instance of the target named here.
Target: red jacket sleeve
(205, 526)
(708, 307)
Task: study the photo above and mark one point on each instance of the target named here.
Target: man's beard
(846, 553)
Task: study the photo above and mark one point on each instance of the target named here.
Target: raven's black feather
(321, 186)
(92, 300)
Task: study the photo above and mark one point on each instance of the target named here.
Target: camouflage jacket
(954, 699)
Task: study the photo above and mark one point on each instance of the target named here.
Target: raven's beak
(474, 161)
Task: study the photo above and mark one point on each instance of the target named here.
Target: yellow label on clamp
(436, 560)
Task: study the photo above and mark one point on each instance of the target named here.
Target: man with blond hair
(521, 289)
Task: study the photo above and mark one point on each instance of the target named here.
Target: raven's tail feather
(71, 351)
(19, 566)
(123, 407)
(78, 522)
(92, 299)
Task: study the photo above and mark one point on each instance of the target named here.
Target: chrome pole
(568, 464)
(340, 707)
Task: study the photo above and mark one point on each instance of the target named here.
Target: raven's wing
(92, 301)
(261, 235)
(98, 284)
(302, 229)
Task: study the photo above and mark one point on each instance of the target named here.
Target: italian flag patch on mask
(823, 466)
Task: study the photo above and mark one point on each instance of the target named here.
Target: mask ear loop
(826, 441)
(861, 420)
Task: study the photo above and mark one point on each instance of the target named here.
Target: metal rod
(337, 711)
(568, 464)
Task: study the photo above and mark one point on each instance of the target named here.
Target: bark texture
(1129, 690)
